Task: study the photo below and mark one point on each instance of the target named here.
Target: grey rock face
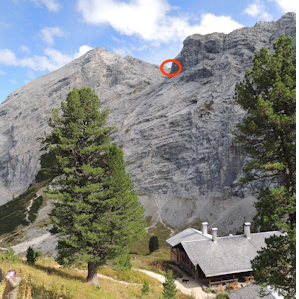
(24, 114)
(175, 132)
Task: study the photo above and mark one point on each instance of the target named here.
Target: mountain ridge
(174, 132)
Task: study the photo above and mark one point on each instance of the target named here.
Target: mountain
(174, 131)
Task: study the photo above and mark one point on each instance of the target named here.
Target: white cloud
(254, 9)
(57, 58)
(211, 23)
(257, 9)
(2, 73)
(123, 51)
(286, 5)
(12, 81)
(266, 17)
(52, 60)
(51, 5)
(119, 41)
(82, 50)
(140, 48)
(48, 33)
(25, 49)
(7, 57)
(150, 19)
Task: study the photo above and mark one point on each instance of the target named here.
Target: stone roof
(189, 234)
(230, 254)
(251, 291)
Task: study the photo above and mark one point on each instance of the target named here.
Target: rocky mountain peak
(241, 43)
(174, 132)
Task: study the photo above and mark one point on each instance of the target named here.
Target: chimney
(204, 228)
(247, 229)
(214, 234)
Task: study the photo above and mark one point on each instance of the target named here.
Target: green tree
(267, 135)
(32, 255)
(10, 255)
(96, 212)
(153, 244)
(145, 288)
(121, 262)
(169, 287)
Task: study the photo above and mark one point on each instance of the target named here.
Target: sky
(40, 36)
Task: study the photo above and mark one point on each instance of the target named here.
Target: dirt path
(28, 210)
(110, 278)
(192, 287)
(38, 193)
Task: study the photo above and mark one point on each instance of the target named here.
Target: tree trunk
(92, 276)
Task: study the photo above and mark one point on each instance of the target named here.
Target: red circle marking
(170, 75)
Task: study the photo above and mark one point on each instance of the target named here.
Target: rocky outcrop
(24, 114)
(174, 131)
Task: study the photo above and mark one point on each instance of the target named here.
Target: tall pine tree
(268, 136)
(169, 287)
(96, 212)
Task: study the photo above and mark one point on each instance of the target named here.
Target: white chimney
(204, 228)
(214, 234)
(247, 229)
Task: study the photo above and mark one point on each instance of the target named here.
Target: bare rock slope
(175, 132)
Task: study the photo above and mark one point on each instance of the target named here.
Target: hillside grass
(13, 213)
(47, 280)
(141, 247)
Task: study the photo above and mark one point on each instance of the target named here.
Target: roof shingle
(189, 234)
(251, 291)
(231, 254)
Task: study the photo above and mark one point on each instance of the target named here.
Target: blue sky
(39, 36)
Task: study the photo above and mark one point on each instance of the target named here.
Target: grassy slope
(13, 213)
(141, 247)
(46, 280)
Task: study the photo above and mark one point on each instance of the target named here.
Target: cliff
(174, 132)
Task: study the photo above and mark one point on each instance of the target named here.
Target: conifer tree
(145, 288)
(96, 212)
(10, 255)
(32, 255)
(169, 287)
(153, 244)
(267, 135)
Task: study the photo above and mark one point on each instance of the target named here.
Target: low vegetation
(46, 279)
(12, 218)
(205, 110)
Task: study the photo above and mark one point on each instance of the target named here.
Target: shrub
(153, 244)
(121, 263)
(124, 262)
(169, 288)
(222, 296)
(32, 255)
(208, 290)
(145, 288)
(10, 255)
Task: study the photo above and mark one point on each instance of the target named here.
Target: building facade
(217, 259)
